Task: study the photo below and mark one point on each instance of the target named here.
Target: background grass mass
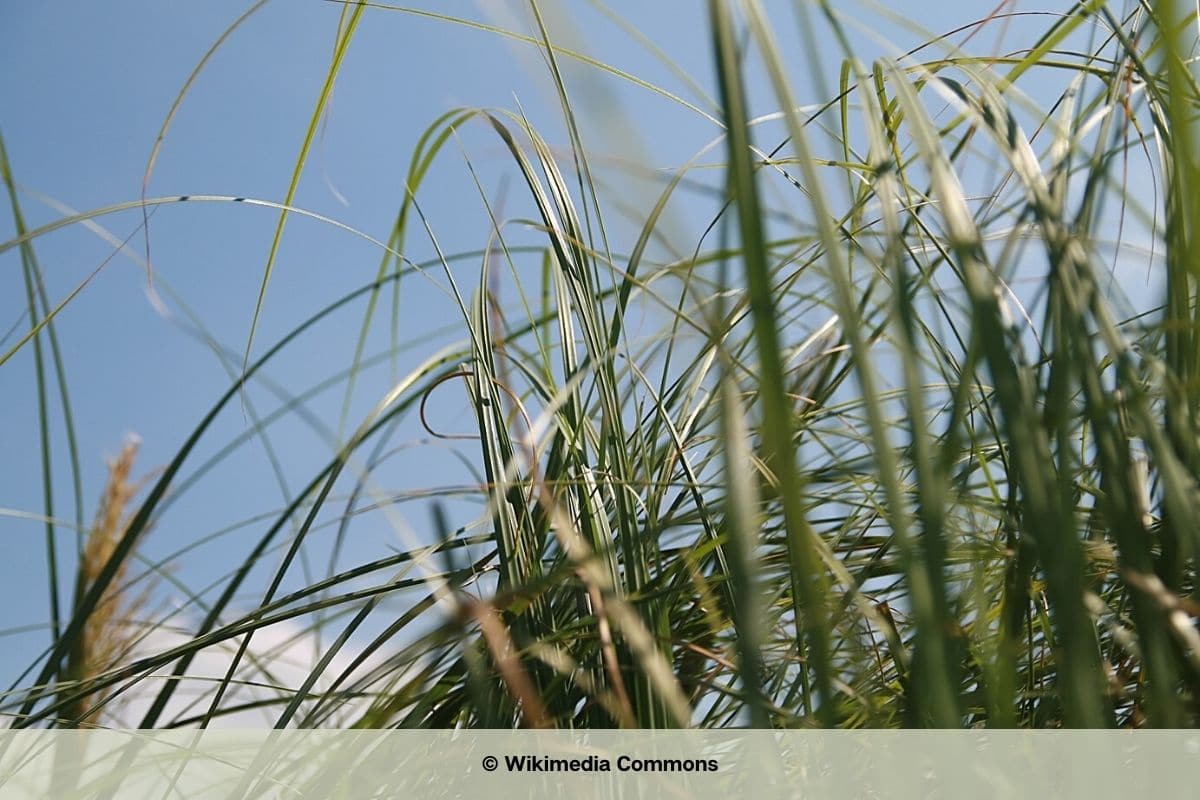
(905, 433)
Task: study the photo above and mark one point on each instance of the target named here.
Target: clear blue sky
(84, 88)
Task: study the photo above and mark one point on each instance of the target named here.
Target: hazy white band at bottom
(603, 764)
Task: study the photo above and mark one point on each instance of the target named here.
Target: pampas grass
(111, 631)
(837, 464)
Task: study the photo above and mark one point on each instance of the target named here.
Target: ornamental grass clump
(905, 433)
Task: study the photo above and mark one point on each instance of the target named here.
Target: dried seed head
(108, 633)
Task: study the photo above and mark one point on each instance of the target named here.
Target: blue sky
(84, 88)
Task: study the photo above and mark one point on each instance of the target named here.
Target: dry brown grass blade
(503, 652)
(608, 651)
